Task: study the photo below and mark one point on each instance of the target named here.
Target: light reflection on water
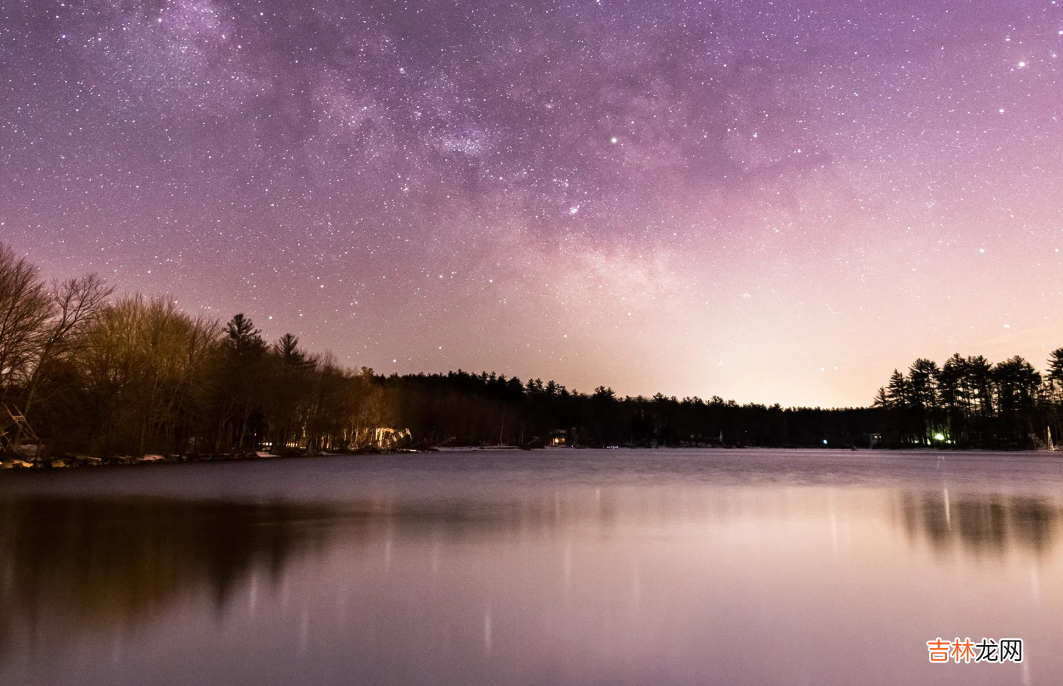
(684, 567)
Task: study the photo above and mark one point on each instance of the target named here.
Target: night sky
(769, 201)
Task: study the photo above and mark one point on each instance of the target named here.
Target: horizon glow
(771, 202)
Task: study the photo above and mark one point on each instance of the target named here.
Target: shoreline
(89, 461)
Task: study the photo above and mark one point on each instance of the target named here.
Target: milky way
(771, 201)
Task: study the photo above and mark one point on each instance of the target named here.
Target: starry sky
(773, 201)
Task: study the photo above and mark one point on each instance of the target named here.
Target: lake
(545, 567)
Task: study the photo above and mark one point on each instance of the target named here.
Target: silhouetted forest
(969, 402)
(83, 371)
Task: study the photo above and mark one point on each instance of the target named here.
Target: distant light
(824, 441)
(939, 437)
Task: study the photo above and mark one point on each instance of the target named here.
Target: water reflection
(105, 563)
(98, 565)
(981, 524)
(436, 573)
(102, 564)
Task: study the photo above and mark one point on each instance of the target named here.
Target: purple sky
(770, 201)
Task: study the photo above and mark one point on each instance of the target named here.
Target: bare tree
(145, 365)
(76, 304)
(25, 308)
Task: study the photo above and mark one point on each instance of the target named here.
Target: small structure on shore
(15, 431)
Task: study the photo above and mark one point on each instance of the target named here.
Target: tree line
(86, 371)
(969, 402)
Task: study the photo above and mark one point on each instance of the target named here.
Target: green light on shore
(939, 437)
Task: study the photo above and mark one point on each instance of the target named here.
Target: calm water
(553, 567)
